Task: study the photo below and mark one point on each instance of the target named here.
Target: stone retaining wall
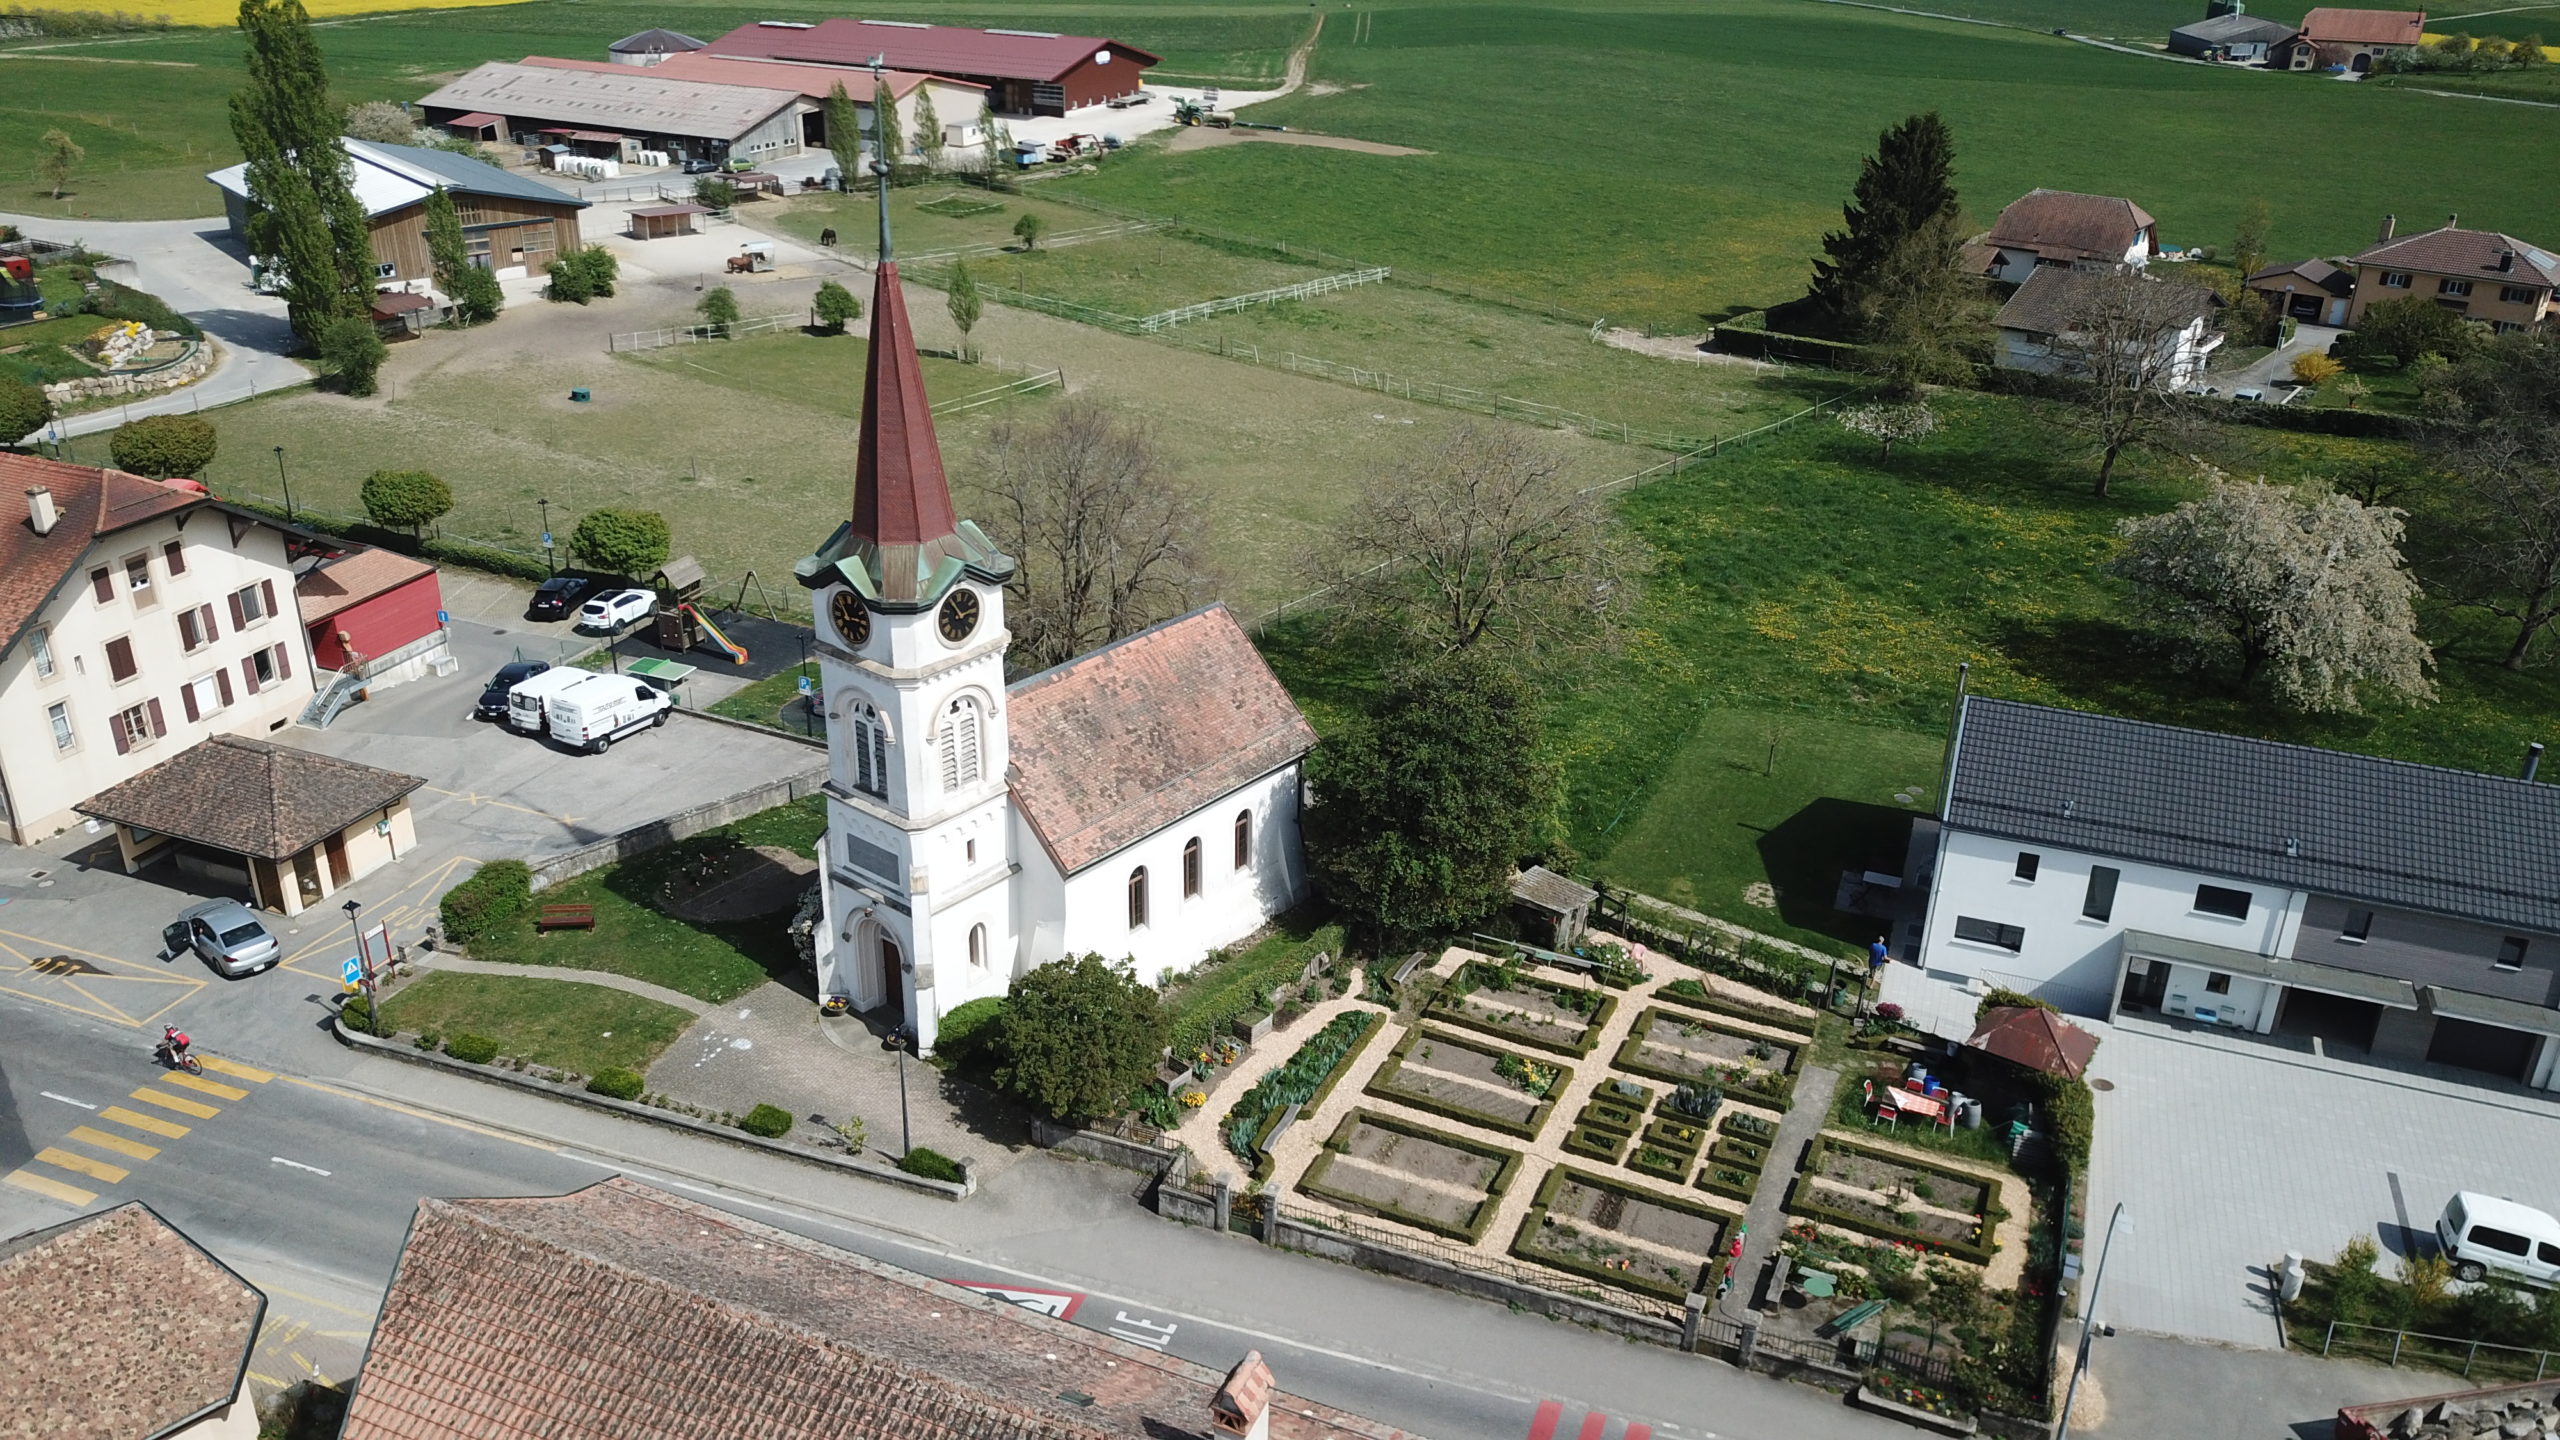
(185, 370)
(668, 829)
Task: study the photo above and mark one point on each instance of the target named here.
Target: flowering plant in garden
(1194, 1099)
(1889, 1012)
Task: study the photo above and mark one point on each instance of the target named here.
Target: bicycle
(178, 1060)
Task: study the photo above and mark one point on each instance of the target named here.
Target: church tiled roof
(1113, 746)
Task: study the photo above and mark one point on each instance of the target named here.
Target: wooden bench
(566, 917)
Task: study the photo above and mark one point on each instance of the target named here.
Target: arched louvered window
(870, 752)
(960, 742)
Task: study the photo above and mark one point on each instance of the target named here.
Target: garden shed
(1551, 909)
(664, 222)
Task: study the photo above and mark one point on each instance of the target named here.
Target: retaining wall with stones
(668, 829)
(185, 370)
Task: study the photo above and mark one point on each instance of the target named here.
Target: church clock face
(959, 617)
(852, 618)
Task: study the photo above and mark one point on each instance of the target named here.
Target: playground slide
(736, 653)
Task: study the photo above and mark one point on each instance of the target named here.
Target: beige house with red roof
(2351, 40)
(137, 617)
(1139, 802)
(2483, 275)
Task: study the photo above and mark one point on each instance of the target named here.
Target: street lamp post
(808, 700)
(905, 1139)
(2089, 1321)
(287, 483)
(364, 967)
(547, 562)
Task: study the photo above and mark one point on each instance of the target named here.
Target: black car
(556, 598)
(493, 701)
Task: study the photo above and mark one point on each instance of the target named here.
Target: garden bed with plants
(1581, 1223)
(1501, 1000)
(1304, 1080)
(1686, 1049)
(1233, 984)
(1695, 995)
(1465, 1080)
(1895, 1212)
(1409, 1173)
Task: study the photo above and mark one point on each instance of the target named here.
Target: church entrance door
(893, 989)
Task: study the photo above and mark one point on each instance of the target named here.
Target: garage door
(2488, 1048)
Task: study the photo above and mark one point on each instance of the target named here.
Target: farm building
(2349, 40)
(1025, 72)
(2483, 275)
(372, 612)
(651, 47)
(513, 225)
(2312, 291)
(956, 104)
(2235, 36)
(2061, 228)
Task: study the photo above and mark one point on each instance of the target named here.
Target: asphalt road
(307, 1186)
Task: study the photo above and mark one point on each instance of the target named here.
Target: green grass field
(559, 1023)
(1137, 275)
(921, 228)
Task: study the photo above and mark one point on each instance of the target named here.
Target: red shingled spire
(900, 496)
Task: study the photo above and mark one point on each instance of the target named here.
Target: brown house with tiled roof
(2061, 228)
(719, 1328)
(136, 617)
(2481, 275)
(2351, 40)
(293, 825)
(116, 1326)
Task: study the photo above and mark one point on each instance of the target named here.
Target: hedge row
(1312, 1182)
(1760, 1087)
(496, 893)
(1729, 1182)
(1596, 1143)
(1444, 1009)
(1699, 997)
(465, 553)
(1382, 1085)
(1749, 1127)
(1802, 1201)
(1534, 1223)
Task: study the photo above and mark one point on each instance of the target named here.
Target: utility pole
(2089, 1320)
(287, 483)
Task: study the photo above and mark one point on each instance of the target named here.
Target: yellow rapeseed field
(227, 12)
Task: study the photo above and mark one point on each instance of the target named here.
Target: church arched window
(959, 741)
(1191, 867)
(1244, 838)
(978, 946)
(870, 752)
(1138, 898)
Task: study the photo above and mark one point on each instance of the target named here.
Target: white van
(527, 698)
(601, 709)
(2481, 1233)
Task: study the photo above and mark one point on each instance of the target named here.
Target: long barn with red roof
(1026, 72)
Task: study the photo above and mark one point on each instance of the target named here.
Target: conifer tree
(1908, 183)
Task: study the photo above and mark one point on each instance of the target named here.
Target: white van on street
(2481, 1233)
(601, 709)
(528, 699)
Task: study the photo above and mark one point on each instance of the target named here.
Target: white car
(615, 610)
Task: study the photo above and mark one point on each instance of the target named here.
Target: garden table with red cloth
(1911, 1102)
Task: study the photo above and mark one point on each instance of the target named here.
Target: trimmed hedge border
(1735, 1010)
(1535, 1221)
(1740, 1154)
(1312, 1182)
(1262, 1164)
(1746, 1128)
(1601, 1113)
(1658, 1134)
(1800, 1201)
(1677, 1172)
(1596, 1144)
(1781, 1095)
(1443, 1009)
(1524, 1129)
(1713, 1182)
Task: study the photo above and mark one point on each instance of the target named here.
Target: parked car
(529, 699)
(601, 709)
(554, 598)
(227, 935)
(701, 167)
(493, 700)
(612, 612)
(2481, 1233)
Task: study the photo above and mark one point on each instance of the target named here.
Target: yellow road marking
(51, 1189)
(421, 1114)
(267, 1380)
(209, 1087)
(388, 909)
(151, 1124)
(343, 1334)
(323, 1304)
(178, 1103)
(135, 1149)
(236, 1070)
(71, 1160)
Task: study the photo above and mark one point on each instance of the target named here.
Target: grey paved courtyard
(2226, 1153)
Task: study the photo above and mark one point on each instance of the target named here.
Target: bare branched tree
(2126, 336)
(1107, 537)
(1482, 539)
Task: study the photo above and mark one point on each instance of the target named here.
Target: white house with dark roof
(2050, 228)
(2410, 912)
(1138, 802)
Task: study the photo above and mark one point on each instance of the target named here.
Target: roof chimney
(2533, 760)
(1242, 1406)
(41, 516)
(2390, 227)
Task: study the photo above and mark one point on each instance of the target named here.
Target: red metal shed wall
(1091, 84)
(380, 625)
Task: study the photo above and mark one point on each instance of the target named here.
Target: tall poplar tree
(928, 128)
(1908, 183)
(885, 129)
(312, 224)
(844, 133)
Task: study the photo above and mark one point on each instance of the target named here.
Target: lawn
(1667, 165)
(925, 219)
(762, 701)
(1141, 274)
(559, 1023)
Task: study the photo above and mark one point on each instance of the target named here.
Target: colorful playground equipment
(680, 626)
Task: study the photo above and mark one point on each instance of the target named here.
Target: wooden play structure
(681, 625)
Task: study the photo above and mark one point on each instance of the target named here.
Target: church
(1138, 802)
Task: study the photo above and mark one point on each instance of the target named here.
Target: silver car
(228, 935)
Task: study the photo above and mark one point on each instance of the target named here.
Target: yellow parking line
(150, 1124)
(236, 1070)
(178, 1103)
(266, 1379)
(209, 1087)
(90, 1135)
(60, 1158)
(51, 1189)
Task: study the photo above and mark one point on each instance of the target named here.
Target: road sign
(804, 684)
(352, 972)
(444, 617)
(546, 539)
(1056, 1304)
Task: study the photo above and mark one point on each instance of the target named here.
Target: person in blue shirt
(1878, 955)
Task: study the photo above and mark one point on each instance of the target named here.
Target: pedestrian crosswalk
(103, 1152)
(1548, 1424)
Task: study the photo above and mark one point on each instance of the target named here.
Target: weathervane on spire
(880, 145)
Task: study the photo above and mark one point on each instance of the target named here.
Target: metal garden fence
(704, 334)
(1321, 285)
(2444, 1352)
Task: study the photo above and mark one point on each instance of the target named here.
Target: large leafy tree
(2304, 591)
(1906, 184)
(1424, 805)
(630, 543)
(2121, 337)
(24, 409)
(310, 222)
(162, 446)
(1077, 1036)
(2402, 330)
(2497, 431)
(409, 499)
(1924, 320)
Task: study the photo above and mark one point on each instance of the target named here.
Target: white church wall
(1233, 903)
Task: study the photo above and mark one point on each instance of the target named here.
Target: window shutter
(159, 724)
(206, 626)
(239, 616)
(222, 682)
(102, 584)
(267, 588)
(249, 673)
(120, 658)
(115, 727)
(187, 630)
(176, 551)
(284, 662)
(187, 701)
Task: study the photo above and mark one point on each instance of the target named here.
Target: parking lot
(2227, 1152)
(77, 933)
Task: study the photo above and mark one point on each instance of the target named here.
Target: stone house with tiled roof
(1138, 802)
(2482, 275)
(2355, 41)
(137, 617)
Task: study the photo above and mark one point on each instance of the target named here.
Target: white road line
(298, 1165)
(67, 1100)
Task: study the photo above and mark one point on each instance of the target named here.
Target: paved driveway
(2227, 1153)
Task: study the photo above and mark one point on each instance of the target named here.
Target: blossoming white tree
(1890, 425)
